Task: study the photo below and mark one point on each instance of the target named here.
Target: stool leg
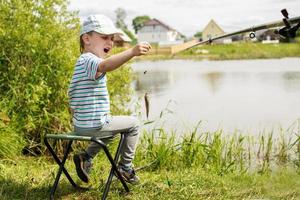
(111, 174)
(59, 163)
(61, 167)
(114, 166)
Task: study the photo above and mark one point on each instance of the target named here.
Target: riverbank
(32, 178)
(200, 166)
(234, 51)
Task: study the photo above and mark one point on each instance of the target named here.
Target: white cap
(100, 24)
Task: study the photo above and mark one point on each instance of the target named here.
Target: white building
(154, 31)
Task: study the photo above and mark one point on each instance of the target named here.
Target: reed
(220, 152)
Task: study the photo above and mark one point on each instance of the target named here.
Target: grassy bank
(199, 165)
(244, 50)
(31, 178)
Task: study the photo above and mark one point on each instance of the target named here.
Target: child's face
(101, 44)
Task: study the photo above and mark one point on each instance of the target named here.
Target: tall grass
(220, 152)
(11, 143)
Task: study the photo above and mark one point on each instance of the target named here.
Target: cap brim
(110, 31)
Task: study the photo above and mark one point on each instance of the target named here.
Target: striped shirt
(88, 95)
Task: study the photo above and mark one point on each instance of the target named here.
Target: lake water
(245, 95)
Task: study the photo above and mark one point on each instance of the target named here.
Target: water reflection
(155, 81)
(214, 80)
(291, 81)
(249, 94)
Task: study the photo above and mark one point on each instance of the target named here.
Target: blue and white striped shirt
(88, 95)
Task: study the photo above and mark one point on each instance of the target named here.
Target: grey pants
(127, 125)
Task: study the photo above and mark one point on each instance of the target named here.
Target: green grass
(11, 143)
(199, 165)
(244, 51)
(241, 50)
(31, 178)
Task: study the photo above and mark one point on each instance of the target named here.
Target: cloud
(191, 16)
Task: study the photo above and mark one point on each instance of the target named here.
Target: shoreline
(234, 51)
(193, 58)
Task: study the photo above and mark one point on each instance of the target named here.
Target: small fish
(146, 97)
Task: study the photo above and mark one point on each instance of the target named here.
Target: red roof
(154, 22)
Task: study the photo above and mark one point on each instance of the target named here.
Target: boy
(89, 100)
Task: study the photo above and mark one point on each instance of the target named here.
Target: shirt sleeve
(91, 66)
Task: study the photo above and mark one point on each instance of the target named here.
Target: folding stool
(61, 163)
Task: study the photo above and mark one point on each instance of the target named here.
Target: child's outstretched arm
(115, 61)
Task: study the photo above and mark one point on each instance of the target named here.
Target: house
(211, 30)
(155, 31)
(122, 40)
(269, 36)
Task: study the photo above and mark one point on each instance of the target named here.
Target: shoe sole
(79, 168)
(126, 179)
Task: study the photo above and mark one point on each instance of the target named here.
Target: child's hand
(141, 49)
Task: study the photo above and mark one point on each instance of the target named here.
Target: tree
(139, 21)
(120, 23)
(198, 35)
(120, 17)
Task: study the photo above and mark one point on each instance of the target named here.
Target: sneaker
(83, 166)
(129, 175)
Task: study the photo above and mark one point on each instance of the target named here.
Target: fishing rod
(288, 31)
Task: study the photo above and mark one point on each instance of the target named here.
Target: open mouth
(106, 49)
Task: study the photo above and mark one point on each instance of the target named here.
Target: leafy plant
(39, 46)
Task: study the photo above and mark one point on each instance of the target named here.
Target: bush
(39, 45)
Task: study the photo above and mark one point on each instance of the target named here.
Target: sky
(191, 16)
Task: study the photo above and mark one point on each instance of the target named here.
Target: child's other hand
(141, 49)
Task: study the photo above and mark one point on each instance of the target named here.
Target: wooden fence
(172, 49)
